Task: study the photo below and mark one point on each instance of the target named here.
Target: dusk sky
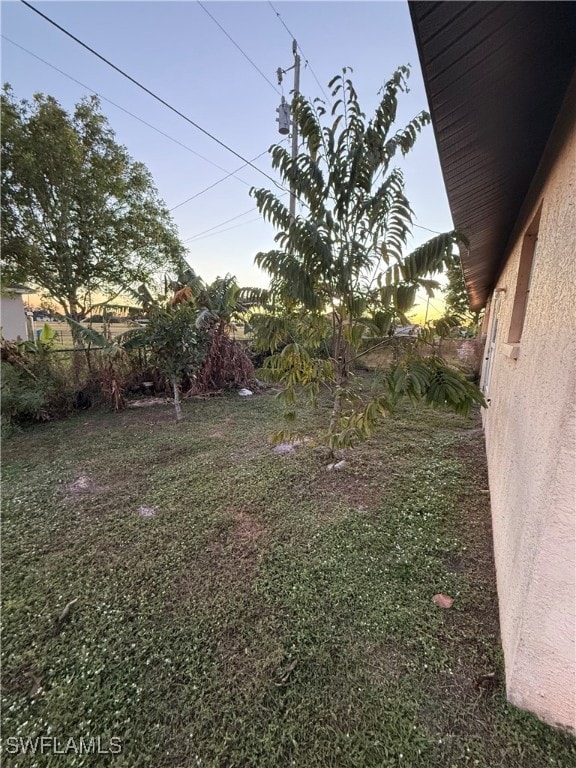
(178, 51)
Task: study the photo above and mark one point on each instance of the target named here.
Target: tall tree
(79, 216)
(456, 296)
(341, 271)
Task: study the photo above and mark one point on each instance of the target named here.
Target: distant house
(501, 85)
(12, 314)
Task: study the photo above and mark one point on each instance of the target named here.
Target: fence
(463, 353)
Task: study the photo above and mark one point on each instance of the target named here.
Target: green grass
(271, 613)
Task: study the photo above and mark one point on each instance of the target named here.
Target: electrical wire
(434, 232)
(229, 36)
(243, 224)
(306, 60)
(217, 226)
(293, 37)
(219, 181)
(136, 117)
(151, 93)
(158, 130)
(149, 125)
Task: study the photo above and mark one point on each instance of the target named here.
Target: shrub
(35, 386)
(21, 398)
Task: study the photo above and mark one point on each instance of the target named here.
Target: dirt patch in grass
(236, 549)
(357, 485)
(82, 484)
(147, 511)
(384, 662)
(475, 673)
(474, 526)
(83, 487)
(21, 680)
(148, 402)
(226, 564)
(246, 529)
(453, 562)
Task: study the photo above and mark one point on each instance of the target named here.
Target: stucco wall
(12, 317)
(531, 445)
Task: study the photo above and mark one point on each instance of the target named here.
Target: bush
(19, 401)
(34, 387)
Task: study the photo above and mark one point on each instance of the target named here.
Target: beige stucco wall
(12, 317)
(531, 445)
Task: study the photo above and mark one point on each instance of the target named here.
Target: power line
(217, 226)
(434, 232)
(210, 186)
(256, 67)
(306, 60)
(136, 117)
(158, 130)
(149, 125)
(245, 213)
(219, 181)
(151, 93)
(243, 224)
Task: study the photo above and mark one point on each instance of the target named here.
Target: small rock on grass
(337, 465)
(283, 448)
(289, 447)
(147, 512)
(443, 601)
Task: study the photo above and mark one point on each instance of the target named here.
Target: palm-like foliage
(112, 350)
(340, 268)
(214, 307)
(221, 302)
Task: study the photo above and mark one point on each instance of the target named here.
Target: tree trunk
(177, 406)
(341, 376)
(74, 310)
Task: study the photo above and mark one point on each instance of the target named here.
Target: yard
(238, 607)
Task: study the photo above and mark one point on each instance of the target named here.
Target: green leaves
(432, 380)
(79, 216)
(340, 272)
(178, 345)
(87, 335)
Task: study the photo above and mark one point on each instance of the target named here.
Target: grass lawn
(239, 608)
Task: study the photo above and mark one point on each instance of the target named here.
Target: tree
(456, 296)
(178, 346)
(340, 275)
(79, 216)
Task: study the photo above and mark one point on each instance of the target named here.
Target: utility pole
(282, 117)
(294, 125)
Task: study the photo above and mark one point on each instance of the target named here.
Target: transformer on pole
(283, 119)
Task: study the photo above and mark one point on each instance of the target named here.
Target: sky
(177, 50)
